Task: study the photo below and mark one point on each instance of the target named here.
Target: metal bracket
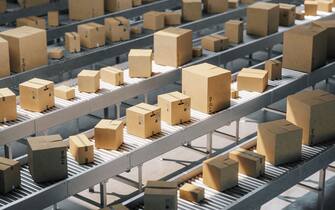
(140, 177)
(103, 194)
(8, 151)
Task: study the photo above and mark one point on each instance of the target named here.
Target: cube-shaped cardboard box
(82, 149)
(7, 105)
(65, 92)
(329, 26)
(32, 21)
(160, 195)
(197, 52)
(85, 9)
(192, 193)
(137, 3)
(233, 4)
(287, 14)
(216, 6)
(112, 75)
(53, 18)
(4, 58)
(140, 63)
(117, 29)
(254, 80)
(234, 31)
(153, 20)
(118, 5)
(311, 8)
(274, 69)
(10, 177)
(56, 53)
(172, 18)
(92, 35)
(191, 10)
(108, 134)
(72, 42)
(89, 81)
(299, 15)
(215, 43)
(325, 5)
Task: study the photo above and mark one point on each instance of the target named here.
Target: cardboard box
(329, 26)
(248, 1)
(72, 42)
(3, 6)
(325, 5)
(175, 108)
(82, 149)
(108, 134)
(136, 29)
(88, 81)
(191, 10)
(250, 163)
(31, 21)
(311, 8)
(65, 92)
(212, 92)
(143, 120)
(214, 43)
(118, 5)
(37, 95)
(117, 29)
(175, 42)
(234, 94)
(47, 158)
(22, 42)
(274, 69)
(136, 3)
(234, 31)
(196, 52)
(233, 4)
(112, 76)
(140, 63)
(286, 14)
(216, 6)
(262, 19)
(305, 48)
(32, 3)
(192, 193)
(220, 173)
(92, 35)
(172, 18)
(53, 18)
(153, 20)
(7, 105)
(279, 141)
(119, 207)
(55, 53)
(85, 9)
(10, 177)
(4, 58)
(160, 195)
(254, 80)
(299, 15)
(314, 112)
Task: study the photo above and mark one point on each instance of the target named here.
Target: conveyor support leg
(146, 98)
(140, 178)
(237, 130)
(209, 144)
(321, 193)
(106, 113)
(118, 110)
(55, 206)
(103, 194)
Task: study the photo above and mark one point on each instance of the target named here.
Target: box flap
(81, 140)
(109, 124)
(88, 73)
(162, 185)
(6, 92)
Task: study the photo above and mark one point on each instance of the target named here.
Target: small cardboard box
(250, 163)
(85, 9)
(192, 193)
(196, 52)
(53, 18)
(89, 81)
(82, 149)
(325, 5)
(234, 31)
(274, 69)
(160, 195)
(112, 75)
(212, 92)
(286, 14)
(311, 8)
(175, 42)
(4, 58)
(234, 94)
(31, 3)
(47, 158)
(137, 3)
(299, 15)
(117, 29)
(37, 95)
(7, 105)
(31, 21)
(143, 120)
(220, 173)
(136, 29)
(140, 63)
(215, 43)
(175, 107)
(65, 92)
(92, 35)
(329, 26)
(314, 112)
(108, 134)
(254, 80)
(153, 20)
(118, 5)
(233, 4)
(216, 6)
(279, 141)
(56, 53)
(10, 177)
(172, 18)
(72, 42)
(191, 10)
(3, 6)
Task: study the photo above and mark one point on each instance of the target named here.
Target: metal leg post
(91, 189)
(140, 178)
(103, 194)
(55, 206)
(209, 144)
(269, 52)
(106, 113)
(250, 59)
(118, 110)
(8, 151)
(237, 130)
(321, 193)
(146, 98)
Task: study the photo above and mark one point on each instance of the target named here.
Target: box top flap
(191, 188)
(263, 5)
(312, 98)
(144, 108)
(122, 20)
(111, 69)
(173, 32)
(88, 73)
(6, 92)
(6, 163)
(328, 24)
(81, 140)
(64, 88)
(37, 83)
(162, 185)
(220, 162)
(307, 30)
(22, 31)
(234, 22)
(109, 124)
(247, 154)
(280, 126)
(207, 70)
(140, 52)
(46, 142)
(174, 96)
(287, 6)
(254, 73)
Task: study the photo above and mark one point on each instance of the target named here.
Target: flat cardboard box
(4, 58)
(220, 173)
(311, 8)
(314, 112)
(117, 29)
(32, 3)
(192, 193)
(215, 6)
(274, 69)
(214, 43)
(329, 26)
(65, 92)
(85, 9)
(31, 21)
(160, 195)
(82, 149)
(286, 14)
(175, 42)
(53, 18)
(233, 4)
(172, 18)
(250, 163)
(3, 6)
(22, 42)
(196, 52)
(7, 105)
(92, 35)
(299, 15)
(112, 75)
(234, 31)
(89, 81)
(325, 5)
(118, 5)
(212, 92)
(37, 95)
(10, 177)
(140, 63)
(175, 107)
(143, 120)
(47, 158)
(56, 53)
(118, 207)
(72, 42)
(108, 134)
(153, 20)
(254, 80)
(191, 10)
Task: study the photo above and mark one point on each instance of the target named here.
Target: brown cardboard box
(37, 95)
(31, 21)
(234, 94)
(82, 149)
(329, 25)
(192, 193)
(212, 92)
(311, 8)
(7, 105)
(92, 35)
(325, 6)
(47, 158)
(53, 18)
(117, 29)
(143, 120)
(112, 75)
(262, 19)
(234, 31)
(233, 4)
(72, 42)
(220, 173)
(136, 29)
(4, 58)
(216, 6)
(136, 3)
(65, 92)
(88, 81)
(118, 207)
(175, 107)
(214, 43)
(254, 80)
(299, 15)
(32, 3)
(172, 18)
(250, 163)
(175, 42)
(196, 52)
(248, 1)
(287, 14)
(274, 69)
(314, 112)
(153, 20)
(305, 48)
(85, 9)
(191, 10)
(160, 195)
(140, 63)
(108, 134)
(279, 141)
(10, 177)
(22, 42)
(3, 6)
(56, 53)
(118, 5)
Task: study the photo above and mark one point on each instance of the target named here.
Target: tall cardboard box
(279, 141)
(7, 105)
(153, 20)
(65, 92)
(305, 48)
(192, 193)
(325, 5)
(191, 10)
(215, 43)
(314, 112)
(88, 81)
(117, 29)
(311, 8)
(112, 76)
(140, 63)
(143, 120)
(118, 5)
(175, 107)
(175, 42)
(234, 31)
(37, 95)
(172, 18)
(254, 80)
(108, 134)
(47, 158)
(4, 58)
(82, 149)
(92, 35)
(22, 42)
(212, 90)
(216, 6)
(262, 19)
(274, 69)
(287, 14)
(220, 173)
(32, 3)
(3, 6)
(329, 26)
(85, 9)
(72, 42)
(10, 177)
(160, 195)
(53, 18)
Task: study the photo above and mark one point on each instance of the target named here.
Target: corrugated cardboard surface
(92, 35)
(108, 134)
(252, 80)
(88, 81)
